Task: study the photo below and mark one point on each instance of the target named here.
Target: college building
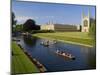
(60, 27)
(84, 27)
(85, 22)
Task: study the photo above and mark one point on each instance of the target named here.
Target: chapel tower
(85, 22)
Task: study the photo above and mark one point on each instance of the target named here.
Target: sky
(42, 13)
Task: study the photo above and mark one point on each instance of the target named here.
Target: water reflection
(30, 41)
(90, 55)
(85, 56)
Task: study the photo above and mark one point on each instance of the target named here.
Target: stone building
(85, 22)
(60, 27)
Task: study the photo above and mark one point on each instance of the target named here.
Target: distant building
(47, 27)
(60, 27)
(85, 22)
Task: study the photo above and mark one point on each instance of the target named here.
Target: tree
(13, 21)
(30, 25)
(19, 27)
(92, 31)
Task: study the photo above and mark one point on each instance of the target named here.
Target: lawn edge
(71, 42)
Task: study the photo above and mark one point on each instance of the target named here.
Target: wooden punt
(46, 45)
(66, 55)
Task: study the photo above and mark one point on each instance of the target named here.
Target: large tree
(19, 27)
(30, 25)
(13, 21)
(92, 31)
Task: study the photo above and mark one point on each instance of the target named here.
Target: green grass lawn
(20, 62)
(81, 38)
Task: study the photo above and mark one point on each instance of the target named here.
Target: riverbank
(78, 38)
(21, 64)
(34, 61)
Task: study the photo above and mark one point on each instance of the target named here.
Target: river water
(85, 56)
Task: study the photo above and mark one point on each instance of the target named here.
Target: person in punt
(42, 42)
(69, 55)
(63, 54)
(57, 51)
(47, 41)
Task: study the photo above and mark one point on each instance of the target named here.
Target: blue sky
(45, 12)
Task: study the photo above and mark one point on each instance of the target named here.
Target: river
(85, 56)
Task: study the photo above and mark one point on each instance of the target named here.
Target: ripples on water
(85, 56)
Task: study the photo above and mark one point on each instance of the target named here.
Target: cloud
(22, 19)
(49, 16)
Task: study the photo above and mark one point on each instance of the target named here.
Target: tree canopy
(92, 30)
(13, 21)
(30, 25)
(19, 27)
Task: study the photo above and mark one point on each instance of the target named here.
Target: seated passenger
(64, 54)
(57, 51)
(70, 55)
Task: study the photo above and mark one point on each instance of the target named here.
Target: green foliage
(20, 62)
(92, 31)
(13, 21)
(75, 37)
(29, 25)
(19, 27)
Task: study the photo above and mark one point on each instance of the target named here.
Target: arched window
(85, 23)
